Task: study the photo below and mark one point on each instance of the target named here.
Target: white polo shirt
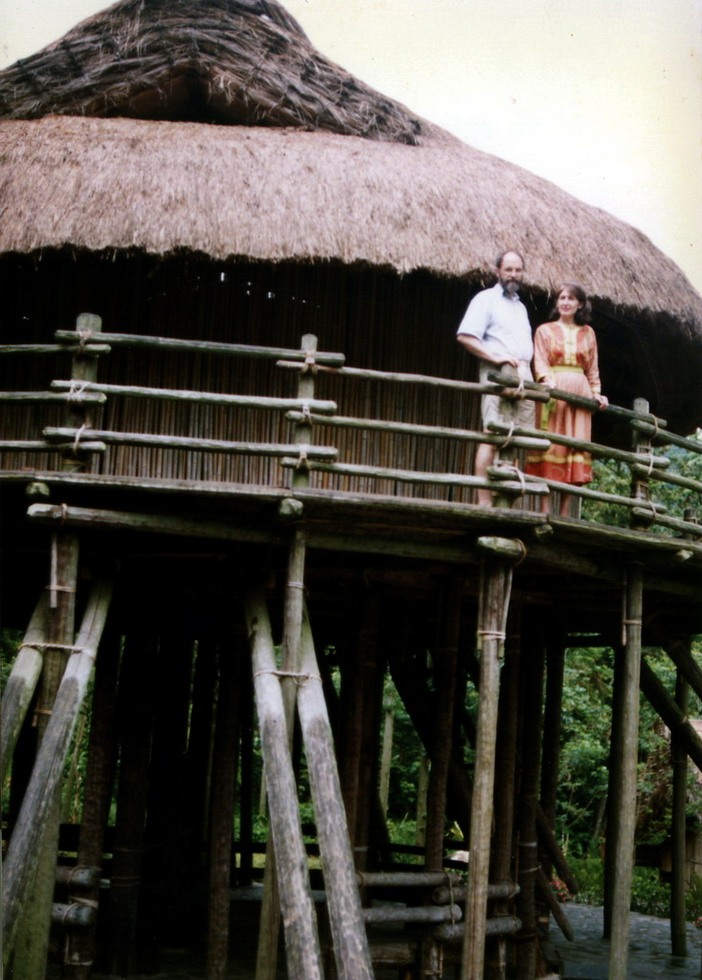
(501, 323)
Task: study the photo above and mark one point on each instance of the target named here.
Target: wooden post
(37, 823)
(348, 931)
(386, 760)
(678, 888)
(292, 624)
(502, 866)
(624, 844)
(134, 724)
(80, 943)
(532, 694)
(224, 773)
(495, 587)
(614, 789)
(302, 942)
(22, 683)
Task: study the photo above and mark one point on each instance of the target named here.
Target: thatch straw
(243, 62)
(280, 194)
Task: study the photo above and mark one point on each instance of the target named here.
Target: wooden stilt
(135, 722)
(80, 943)
(501, 868)
(533, 661)
(22, 683)
(266, 962)
(386, 759)
(624, 845)
(302, 942)
(614, 789)
(348, 932)
(678, 887)
(40, 808)
(224, 773)
(496, 581)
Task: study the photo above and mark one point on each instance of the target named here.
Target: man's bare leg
(484, 457)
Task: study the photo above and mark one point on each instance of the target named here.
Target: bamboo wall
(377, 320)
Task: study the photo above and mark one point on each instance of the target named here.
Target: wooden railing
(79, 438)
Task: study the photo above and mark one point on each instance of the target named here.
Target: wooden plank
(54, 397)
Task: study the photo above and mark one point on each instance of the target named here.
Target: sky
(602, 97)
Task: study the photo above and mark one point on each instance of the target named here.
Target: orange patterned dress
(568, 355)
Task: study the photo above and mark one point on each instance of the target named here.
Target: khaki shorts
(508, 411)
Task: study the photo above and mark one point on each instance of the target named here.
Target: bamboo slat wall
(412, 329)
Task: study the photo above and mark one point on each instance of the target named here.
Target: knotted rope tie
(83, 338)
(295, 585)
(493, 635)
(79, 433)
(309, 365)
(302, 462)
(293, 675)
(76, 390)
(508, 437)
(306, 413)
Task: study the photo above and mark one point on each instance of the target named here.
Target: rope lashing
(309, 365)
(293, 675)
(83, 338)
(79, 433)
(493, 635)
(508, 437)
(295, 585)
(302, 462)
(76, 390)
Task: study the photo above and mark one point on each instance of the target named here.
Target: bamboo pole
(185, 442)
(532, 663)
(675, 719)
(137, 689)
(350, 945)
(207, 347)
(624, 844)
(22, 682)
(678, 886)
(495, 587)
(42, 795)
(386, 760)
(224, 777)
(302, 942)
(204, 397)
(80, 943)
(501, 870)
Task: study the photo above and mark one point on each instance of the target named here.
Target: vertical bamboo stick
(224, 773)
(678, 930)
(532, 692)
(624, 845)
(615, 801)
(302, 942)
(386, 760)
(135, 724)
(495, 586)
(501, 868)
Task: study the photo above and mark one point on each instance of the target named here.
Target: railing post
(640, 487)
(305, 392)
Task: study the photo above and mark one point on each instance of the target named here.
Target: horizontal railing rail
(79, 437)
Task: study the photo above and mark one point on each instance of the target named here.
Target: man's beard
(510, 286)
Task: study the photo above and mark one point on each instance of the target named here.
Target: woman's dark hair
(582, 315)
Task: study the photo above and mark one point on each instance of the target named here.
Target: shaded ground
(586, 958)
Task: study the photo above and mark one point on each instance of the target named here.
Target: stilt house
(236, 448)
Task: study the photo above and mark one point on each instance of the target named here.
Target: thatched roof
(306, 163)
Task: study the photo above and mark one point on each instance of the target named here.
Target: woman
(565, 357)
